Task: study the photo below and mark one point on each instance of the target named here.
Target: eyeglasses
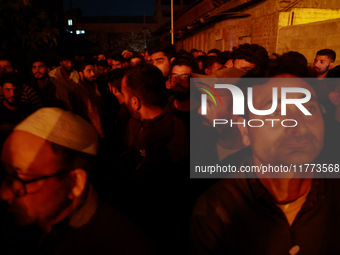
(18, 185)
(184, 77)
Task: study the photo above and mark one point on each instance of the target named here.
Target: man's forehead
(89, 67)
(322, 57)
(8, 85)
(181, 68)
(38, 63)
(25, 151)
(159, 54)
(265, 91)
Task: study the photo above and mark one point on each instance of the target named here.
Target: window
(79, 32)
(70, 22)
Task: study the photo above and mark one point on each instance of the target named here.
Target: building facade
(278, 25)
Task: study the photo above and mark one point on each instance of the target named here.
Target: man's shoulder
(57, 76)
(54, 72)
(111, 227)
(107, 216)
(166, 124)
(227, 194)
(96, 228)
(23, 110)
(237, 158)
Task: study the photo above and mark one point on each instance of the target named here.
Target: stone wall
(261, 28)
(309, 38)
(263, 24)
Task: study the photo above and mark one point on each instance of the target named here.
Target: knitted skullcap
(63, 128)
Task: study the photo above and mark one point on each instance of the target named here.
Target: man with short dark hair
(144, 92)
(115, 84)
(214, 52)
(86, 98)
(101, 56)
(136, 59)
(249, 60)
(158, 144)
(28, 95)
(5, 66)
(211, 64)
(46, 167)
(41, 81)
(86, 70)
(102, 68)
(117, 61)
(65, 72)
(103, 86)
(252, 59)
(277, 212)
(323, 62)
(179, 81)
(161, 56)
(12, 109)
(65, 79)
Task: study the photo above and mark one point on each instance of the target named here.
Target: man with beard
(161, 56)
(179, 86)
(117, 61)
(211, 64)
(28, 94)
(156, 159)
(102, 68)
(86, 99)
(102, 78)
(42, 83)
(12, 109)
(65, 79)
(46, 164)
(108, 100)
(152, 126)
(273, 212)
(323, 62)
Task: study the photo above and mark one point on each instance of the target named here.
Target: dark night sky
(112, 7)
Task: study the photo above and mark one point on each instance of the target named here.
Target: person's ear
(244, 129)
(113, 89)
(136, 103)
(331, 65)
(334, 97)
(79, 180)
(171, 60)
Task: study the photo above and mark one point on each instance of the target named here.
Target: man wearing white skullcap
(45, 168)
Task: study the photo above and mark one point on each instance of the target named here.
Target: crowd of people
(96, 155)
